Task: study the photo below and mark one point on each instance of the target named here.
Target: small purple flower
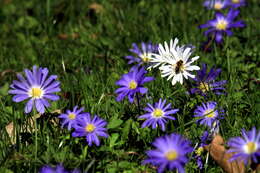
(237, 3)
(200, 149)
(158, 114)
(247, 147)
(37, 87)
(216, 4)
(143, 55)
(91, 128)
(222, 24)
(70, 117)
(205, 82)
(48, 169)
(207, 113)
(170, 153)
(132, 83)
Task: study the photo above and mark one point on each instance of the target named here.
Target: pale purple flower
(170, 153)
(216, 4)
(91, 128)
(37, 87)
(245, 148)
(158, 114)
(222, 25)
(237, 3)
(132, 83)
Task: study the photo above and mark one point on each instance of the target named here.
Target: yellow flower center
(158, 113)
(250, 147)
(209, 113)
(90, 128)
(218, 6)
(72, 116)
(145, 57)
(235, 1)
(132, 85)
(221, 25)
(171, 155)
(204, 86)
(36, 92)
(199, 151)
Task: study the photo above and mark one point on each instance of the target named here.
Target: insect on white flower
(174, 61)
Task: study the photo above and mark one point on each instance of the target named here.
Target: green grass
(94, 60)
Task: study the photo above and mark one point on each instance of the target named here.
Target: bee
(178, 67)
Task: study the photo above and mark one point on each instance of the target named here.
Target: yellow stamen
(90, 128)
(36, 92)
(145, 57)
(235, 1)
(157, 113)
(251, 147)
(204, 86)
(218, 6)
(132, 85)
(171, 155)
(72, 116)
(222, 25)
(209, 113)
(199, 151)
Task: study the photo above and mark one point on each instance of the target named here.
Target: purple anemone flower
(37, 87)
(132, 83)
(216, 4)
(205, 82)
(237, 3)
(170, 153)
(222, 24)
(208, 114)
(245, 148)
(58, 169)
(91, 128)
(158, 114)
(143, 55)
(70, 117)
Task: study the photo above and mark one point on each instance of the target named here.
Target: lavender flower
(70, 117)
(222, 25)
(91, 128)
(37, 87)
(237, 3)
(205, 82)
(170, 153)
(58, 169)
(207, 113)
(216, 4)
(132, 83)
(158, 114)
(48, 169)
(143, 55)
(246, 148)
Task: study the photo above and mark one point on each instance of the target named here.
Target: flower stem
(138, 103)
(36, 143)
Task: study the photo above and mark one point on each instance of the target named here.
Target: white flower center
(36, 92)
(222, 25)
(218, 6)
(250, 147)
(210, 113)
(179, 67)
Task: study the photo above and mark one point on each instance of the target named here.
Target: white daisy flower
(174, 61)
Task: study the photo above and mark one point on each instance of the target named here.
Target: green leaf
(114, 123)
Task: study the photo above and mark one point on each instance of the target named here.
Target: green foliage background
(86, 47)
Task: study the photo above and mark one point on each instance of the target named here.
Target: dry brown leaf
(96, 7)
